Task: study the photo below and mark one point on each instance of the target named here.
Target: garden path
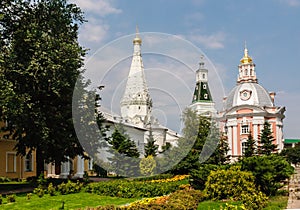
(294, 190)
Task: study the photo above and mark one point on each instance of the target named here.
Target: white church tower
(202, 101)
(136, 103)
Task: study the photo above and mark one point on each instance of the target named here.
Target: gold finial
(246, 59)
(137, 38)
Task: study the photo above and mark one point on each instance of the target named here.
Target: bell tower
(202, 100)
(136, 103)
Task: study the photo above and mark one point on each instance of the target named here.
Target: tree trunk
(39, 163)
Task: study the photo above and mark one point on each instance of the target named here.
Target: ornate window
(245, 129)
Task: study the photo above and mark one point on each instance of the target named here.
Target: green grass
(214, 205)
(72, 201)
(275, 203)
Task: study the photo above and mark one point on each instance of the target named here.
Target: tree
(40, 63)
(250, 149)
(124, 153)
(220, 155)
(269, 171)
(292, 154)
(267, 147)
(150, 147)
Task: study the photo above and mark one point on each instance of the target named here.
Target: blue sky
(219, 29)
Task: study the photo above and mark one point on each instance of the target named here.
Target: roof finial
(245, 50)
(201, 64)
(246, 58)
(137, 38)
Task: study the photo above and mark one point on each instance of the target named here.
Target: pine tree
(151, 148)
(250, 149)
(124, 160)
(220, 156)
(266, 141)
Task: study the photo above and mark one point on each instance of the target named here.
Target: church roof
(248, 94)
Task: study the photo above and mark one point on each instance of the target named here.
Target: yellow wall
(7, 147)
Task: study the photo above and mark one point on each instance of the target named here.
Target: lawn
(71, 201)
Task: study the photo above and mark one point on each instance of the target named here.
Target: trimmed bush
(134, 189)
(51, 189)
(236, 185)
(69, 187)
(11, 198)
(39, 191)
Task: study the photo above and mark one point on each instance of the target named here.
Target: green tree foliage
(124, 153)
(250, 146)
(269, 171)
(40, 63)
(220, 155)
(195, 132)
(292, 154)
(150, 147)
(200, 174)
(267, 147)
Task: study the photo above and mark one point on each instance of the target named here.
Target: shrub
(11, 198)
(254, 201)
(237, 185)
(231, 183)
(69, 187)
(39, 191)
(28, 196)
(4, 179)
(1, 199)
(51, 189)
(199, 176)
(133, 189)
(269, 171)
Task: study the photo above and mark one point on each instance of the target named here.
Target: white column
(234, 139)
(230, 140)
(65, 169)
(50, 170)
(80, 167)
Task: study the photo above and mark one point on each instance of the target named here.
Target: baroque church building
(247, 107)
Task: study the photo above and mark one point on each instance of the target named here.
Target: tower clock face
(245, 94)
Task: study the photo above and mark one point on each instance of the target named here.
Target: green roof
(291, 141)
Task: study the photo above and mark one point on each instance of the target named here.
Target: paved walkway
(294, 191)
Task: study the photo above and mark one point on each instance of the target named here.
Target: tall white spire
(136, 102)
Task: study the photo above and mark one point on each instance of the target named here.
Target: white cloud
(100, 7)
(213, 41)
(93, 31)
